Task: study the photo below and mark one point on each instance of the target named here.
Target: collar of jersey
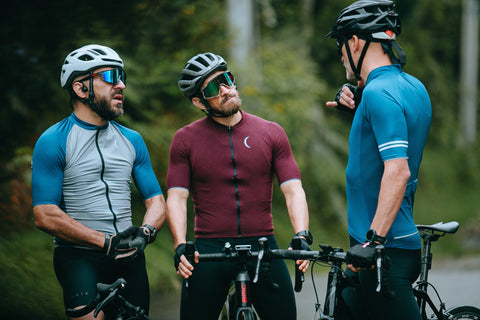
(88, 126)
(393, 68)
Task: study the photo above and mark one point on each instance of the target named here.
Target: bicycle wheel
(246, 314)
(229, 307)
(463, 312)
(225, 313)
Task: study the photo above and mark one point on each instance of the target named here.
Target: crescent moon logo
(245, 143)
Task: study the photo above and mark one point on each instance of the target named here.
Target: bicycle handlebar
(243, 254)
(105, 294)
(327, 254)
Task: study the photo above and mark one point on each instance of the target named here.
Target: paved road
(458, 283)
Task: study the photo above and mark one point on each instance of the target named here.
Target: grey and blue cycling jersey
(86, 170)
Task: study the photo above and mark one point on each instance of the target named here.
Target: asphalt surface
(457, 281)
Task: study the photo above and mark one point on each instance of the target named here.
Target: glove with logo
(142, 237)
(118, 246)
(361, 255)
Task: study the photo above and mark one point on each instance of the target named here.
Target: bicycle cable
(419, 283)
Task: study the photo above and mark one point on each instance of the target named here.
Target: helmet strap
(357, 69)
(208, 111)
(90, 101)
(400, 57)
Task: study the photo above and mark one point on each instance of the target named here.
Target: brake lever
(299, 276)
(382, 263)
(190, 255)
(105, 301)
(261, 252)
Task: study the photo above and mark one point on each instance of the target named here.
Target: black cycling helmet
(367, 19)
(371, 20)
(197, 69)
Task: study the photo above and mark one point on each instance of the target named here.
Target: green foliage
(30, 289)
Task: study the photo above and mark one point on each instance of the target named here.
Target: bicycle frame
(242, 302)
(334, 289)
(428, 236)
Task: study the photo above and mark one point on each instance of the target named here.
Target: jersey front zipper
(235, 182)
(105, 183)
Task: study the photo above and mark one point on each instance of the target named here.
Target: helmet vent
(103, 53)
(85, 57)
(193, 67)
(203, 61)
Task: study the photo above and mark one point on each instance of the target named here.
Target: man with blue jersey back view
(388, 134)
(81, 175)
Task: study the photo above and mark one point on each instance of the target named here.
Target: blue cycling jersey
(86, 170)
(392, 121)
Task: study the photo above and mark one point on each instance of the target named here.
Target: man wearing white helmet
(81, 173)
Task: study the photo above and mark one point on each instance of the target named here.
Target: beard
(350, 75)
(229, 106)
(106, 111)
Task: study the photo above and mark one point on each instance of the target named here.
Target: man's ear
(357, 44)
(79, 89)
(198, 103)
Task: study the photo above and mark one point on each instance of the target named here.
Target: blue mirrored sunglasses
(112, 76)
(212, 89)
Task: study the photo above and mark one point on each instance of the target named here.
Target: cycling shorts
(365, 303)
(79, 270)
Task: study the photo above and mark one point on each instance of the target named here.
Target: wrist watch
(372, 236)
(152, 232)
(307, 235)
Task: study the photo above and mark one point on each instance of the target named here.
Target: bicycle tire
(463, 312)
(225, 313)
(246, 314)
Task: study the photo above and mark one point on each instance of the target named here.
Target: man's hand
(348, 98)
(124, 246)
(302, 264)
(117, 246)
(361, 256)
(183, 267)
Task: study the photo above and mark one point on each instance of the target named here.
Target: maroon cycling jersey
(229, 172)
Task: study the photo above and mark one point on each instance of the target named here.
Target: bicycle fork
(242, 288)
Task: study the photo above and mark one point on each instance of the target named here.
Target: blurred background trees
(285, 69)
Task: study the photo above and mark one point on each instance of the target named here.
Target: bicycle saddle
(449, 227)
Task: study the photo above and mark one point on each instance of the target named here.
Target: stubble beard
(229, 106)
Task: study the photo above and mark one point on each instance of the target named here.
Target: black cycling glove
(118, 246)
(361, 255)
(357, 96)
(179, 251)
(303, 243)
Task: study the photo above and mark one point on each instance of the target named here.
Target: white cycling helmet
(85, 59)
